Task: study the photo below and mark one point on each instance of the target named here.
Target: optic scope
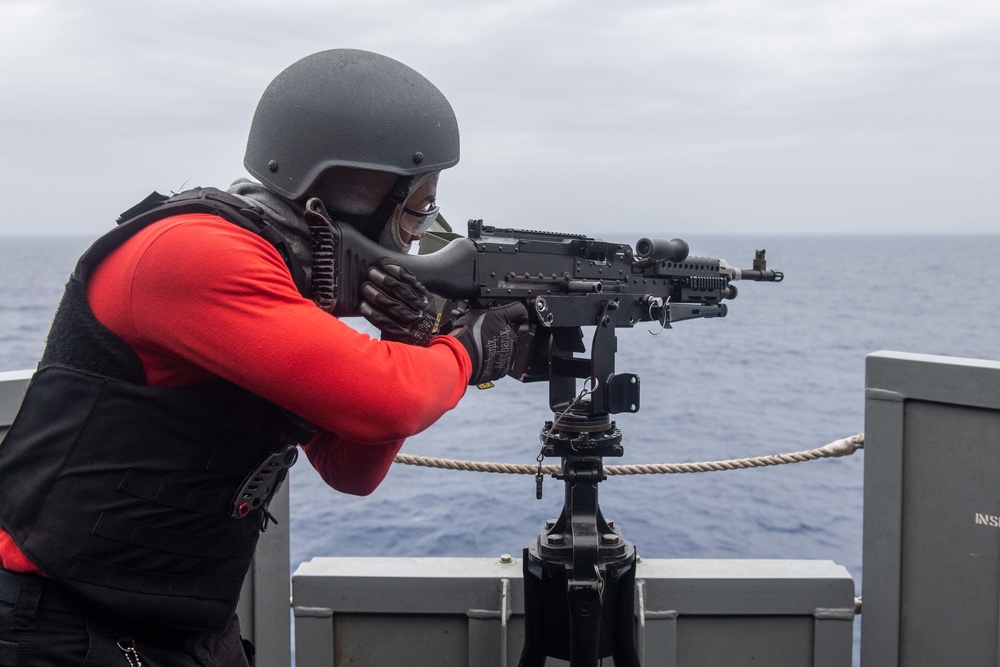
(658, 250)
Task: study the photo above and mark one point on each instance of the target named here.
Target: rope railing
(837, 448)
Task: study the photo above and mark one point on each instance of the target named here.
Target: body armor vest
(146, 501)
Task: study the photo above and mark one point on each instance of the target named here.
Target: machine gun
(579, 574)
(567, 281)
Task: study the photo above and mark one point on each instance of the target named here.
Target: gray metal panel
(932, 439)
(406, 585)
(264, 604)
(925, 377)
(883, 512)
(833, 637)
(658, 646)
(417, 612)
(486, 642)
(693, 612)
(748, 612)
(949, 564)
(744, 641)
(489, 632)
(746, 587)
(314, 640)
(656, 632)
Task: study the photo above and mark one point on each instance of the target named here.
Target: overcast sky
(718, 116)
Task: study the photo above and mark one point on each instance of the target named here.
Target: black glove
(490, 338)
(398, 304)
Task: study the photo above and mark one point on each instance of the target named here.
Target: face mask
(389, 238)
(407, 218)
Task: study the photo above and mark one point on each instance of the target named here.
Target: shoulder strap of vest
(156, 207)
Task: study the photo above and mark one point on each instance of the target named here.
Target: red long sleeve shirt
(197, 297)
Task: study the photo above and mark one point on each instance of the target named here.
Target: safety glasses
(415, 222)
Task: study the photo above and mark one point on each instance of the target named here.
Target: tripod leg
(585, 622)
(625, 654)
(533, 652)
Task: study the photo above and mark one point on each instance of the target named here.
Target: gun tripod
(579, 575)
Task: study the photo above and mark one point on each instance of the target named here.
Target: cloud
(735, 115)
(799, 43)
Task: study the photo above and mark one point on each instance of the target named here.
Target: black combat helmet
(348, 108)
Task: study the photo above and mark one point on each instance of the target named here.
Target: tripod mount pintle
(575, 433)
(579, 574)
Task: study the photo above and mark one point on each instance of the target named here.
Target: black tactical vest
(146, 501)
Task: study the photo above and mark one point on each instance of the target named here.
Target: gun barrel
(759, 276)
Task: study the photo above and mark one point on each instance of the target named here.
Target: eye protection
(416, 223)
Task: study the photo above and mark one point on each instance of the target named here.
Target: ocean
(783, 372)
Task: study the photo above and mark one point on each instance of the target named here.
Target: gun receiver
(567, 281)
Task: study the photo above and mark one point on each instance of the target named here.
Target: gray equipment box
(932, 512)
(463, 611)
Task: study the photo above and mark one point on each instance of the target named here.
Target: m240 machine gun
(579, 573)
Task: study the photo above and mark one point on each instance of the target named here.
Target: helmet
(348, 108)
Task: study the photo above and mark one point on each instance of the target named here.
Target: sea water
(784, 371)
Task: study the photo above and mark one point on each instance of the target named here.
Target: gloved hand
(398, 304)
(490, 338)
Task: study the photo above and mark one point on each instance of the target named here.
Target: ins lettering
(988, 520)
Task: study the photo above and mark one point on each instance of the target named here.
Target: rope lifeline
(837, 448)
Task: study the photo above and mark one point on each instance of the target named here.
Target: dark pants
(44, 626)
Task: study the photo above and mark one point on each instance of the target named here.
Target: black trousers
(43, 626)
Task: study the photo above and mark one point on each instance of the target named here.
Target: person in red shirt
(195, 351)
